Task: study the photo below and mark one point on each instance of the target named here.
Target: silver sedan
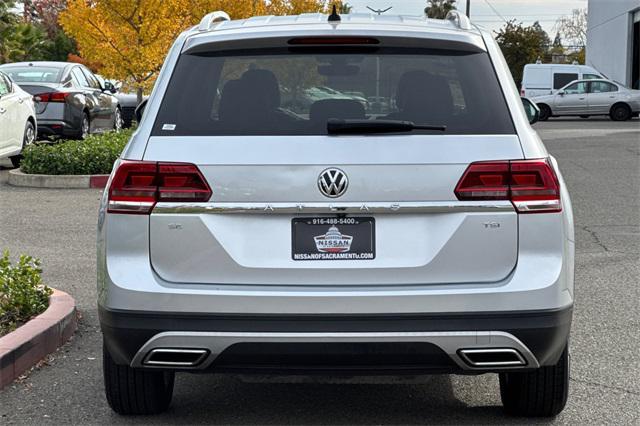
(591, 97)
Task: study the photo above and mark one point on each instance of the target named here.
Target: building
(613, 40)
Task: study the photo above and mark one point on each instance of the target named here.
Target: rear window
(34, 74)
(295, 92)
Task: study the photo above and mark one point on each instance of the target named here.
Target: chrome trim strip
(451, 342)
(337, 207)
(464, 353)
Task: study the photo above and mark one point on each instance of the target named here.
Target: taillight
(51, 97)
(137, 186)
(531, 185)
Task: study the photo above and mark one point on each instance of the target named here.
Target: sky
(527, 11)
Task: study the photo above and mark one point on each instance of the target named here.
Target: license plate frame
(333, 238)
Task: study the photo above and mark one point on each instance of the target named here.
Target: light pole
(469, 8)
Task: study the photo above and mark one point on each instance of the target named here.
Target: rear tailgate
(422, 233)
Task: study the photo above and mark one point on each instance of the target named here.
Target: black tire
(539, 393)
(132, 391)
(85, 126)
(545, 112)
(28, 138)
(118, 122)
(620, 112)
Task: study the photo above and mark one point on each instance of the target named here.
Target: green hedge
(22, 294)
(92, 156)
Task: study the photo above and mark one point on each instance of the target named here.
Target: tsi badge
(333, 241)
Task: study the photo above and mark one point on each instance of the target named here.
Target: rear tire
(539, 393)
(132, 391)
(85, 126)
(28, 138)
(620, 112)
(545, 112)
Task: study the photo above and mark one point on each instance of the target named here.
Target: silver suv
(251, 227)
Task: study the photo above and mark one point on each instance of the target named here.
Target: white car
(17, 120)
(591, 97)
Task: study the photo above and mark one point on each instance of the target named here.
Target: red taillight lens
(51, 97)
(181, 182)
(531, 185)
(138, 185)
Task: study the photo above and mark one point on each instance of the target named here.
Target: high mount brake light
(531, 185)
(137, 186)
(320, 41)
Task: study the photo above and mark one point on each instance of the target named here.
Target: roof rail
(459, 19)
(213, 18)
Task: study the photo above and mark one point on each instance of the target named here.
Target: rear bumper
(538, 336)
(57, 128)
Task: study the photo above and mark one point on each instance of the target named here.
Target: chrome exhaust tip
(492, 357)
(166, 357)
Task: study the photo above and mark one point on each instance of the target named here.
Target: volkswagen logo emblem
(333, 182)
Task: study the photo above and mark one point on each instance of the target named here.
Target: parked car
(591, 97)
(17, 120)
(236, 236)
(70, 101)
(546, 79)
(128, 101)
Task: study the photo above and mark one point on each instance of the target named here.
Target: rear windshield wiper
(350, 127)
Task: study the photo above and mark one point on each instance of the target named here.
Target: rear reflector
(531, 185)
(138, 185)
(51, 97)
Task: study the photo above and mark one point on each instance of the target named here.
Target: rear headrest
(321, 111)
(263, 87)
(422, 94)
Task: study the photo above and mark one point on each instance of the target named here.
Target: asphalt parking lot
(600, 161)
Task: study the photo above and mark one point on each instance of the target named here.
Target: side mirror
(140, 110)
(108, 86)
(532, 110)
(561, 92)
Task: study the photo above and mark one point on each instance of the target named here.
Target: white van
(546, 79)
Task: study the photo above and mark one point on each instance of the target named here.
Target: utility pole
(379, 12)
(469, 9)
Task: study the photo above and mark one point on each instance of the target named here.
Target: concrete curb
(24, 347)
(17, 178)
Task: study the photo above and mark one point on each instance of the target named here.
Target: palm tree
(438, 9)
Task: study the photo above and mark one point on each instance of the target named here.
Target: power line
(495, 11)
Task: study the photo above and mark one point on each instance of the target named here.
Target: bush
(22, 294)
(92, 156)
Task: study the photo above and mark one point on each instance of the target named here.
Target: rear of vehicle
(46, 84)
(248, 229)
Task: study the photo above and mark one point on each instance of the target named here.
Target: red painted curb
(23, 348)
(98, 181)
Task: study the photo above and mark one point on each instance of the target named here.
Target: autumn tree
(573, 28)
(438, 9)
(130, 38)
(522, 45)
